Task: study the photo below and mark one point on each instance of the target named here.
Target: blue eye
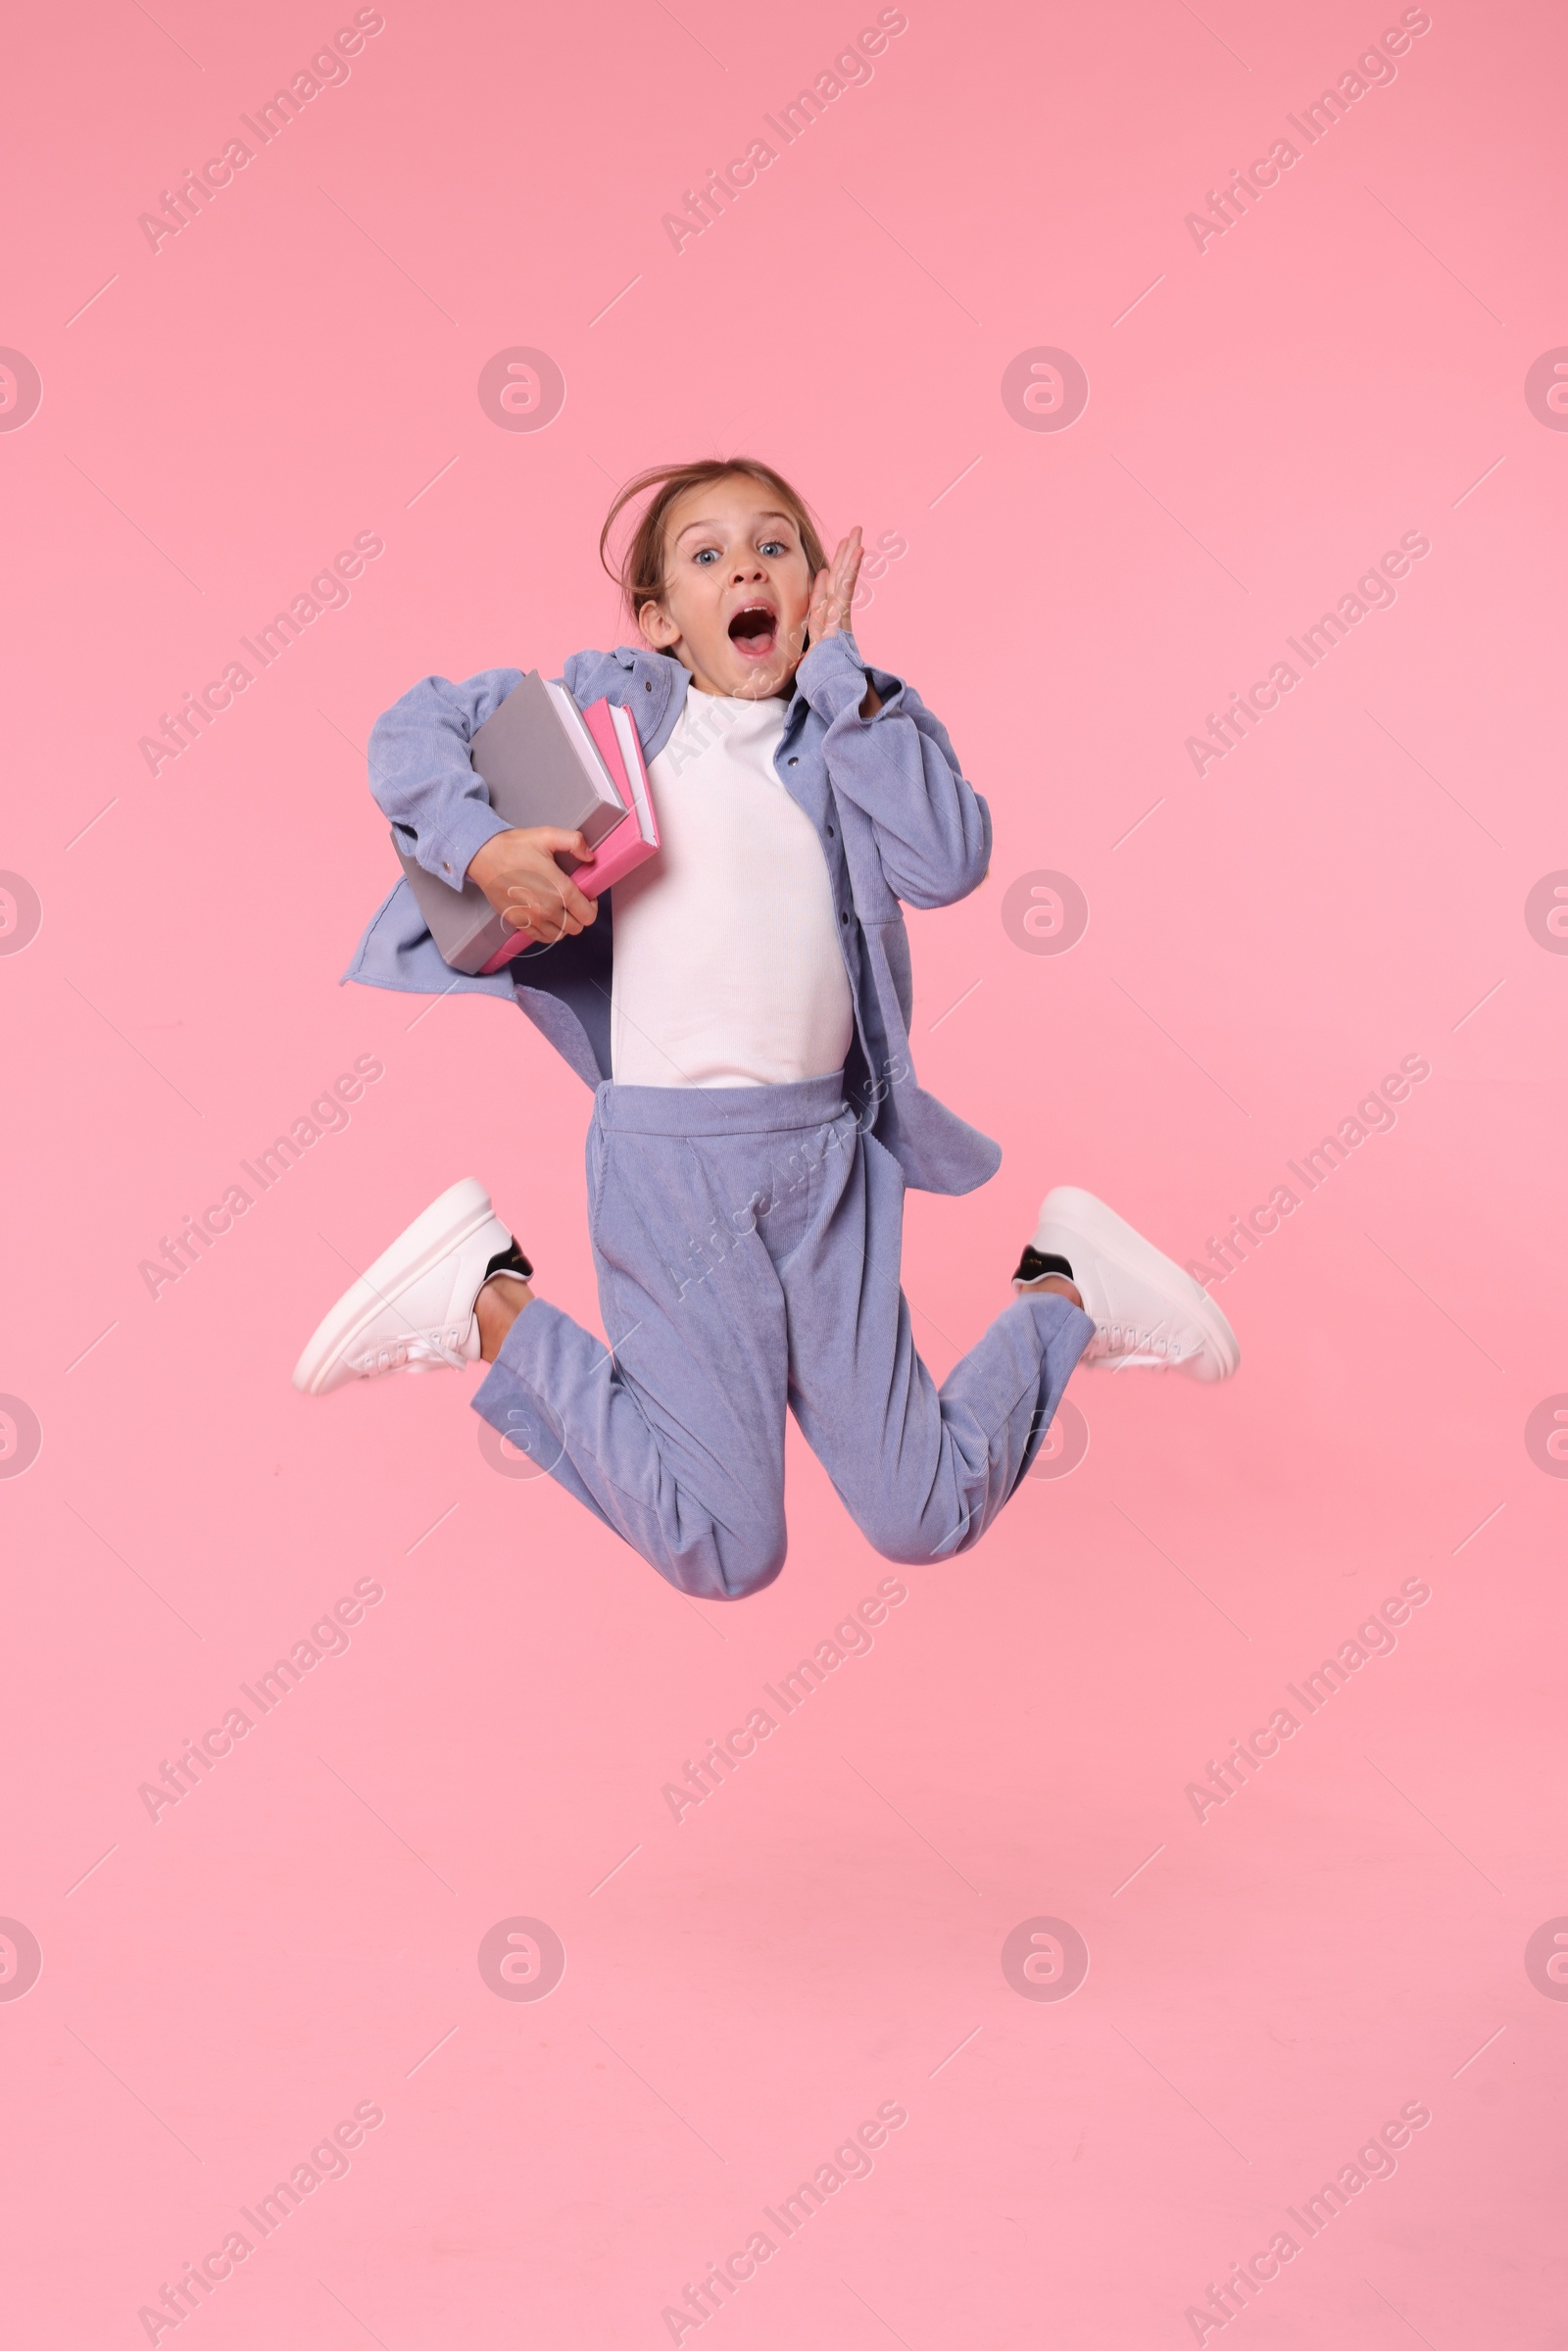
(773, 547)
(704, 552)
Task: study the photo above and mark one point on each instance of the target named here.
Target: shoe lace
(418, 1351)
(1134, 1343)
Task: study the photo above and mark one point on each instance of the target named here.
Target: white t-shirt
(727, 965)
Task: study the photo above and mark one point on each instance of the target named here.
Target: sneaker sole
(444, 1225)
(1080, 1211)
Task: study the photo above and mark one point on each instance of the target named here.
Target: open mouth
(754, 630)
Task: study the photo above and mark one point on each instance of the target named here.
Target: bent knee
(753, 1565)
(910, 1540)
(729, 1563)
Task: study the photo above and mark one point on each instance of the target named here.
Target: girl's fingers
(833, 588)
(847, 570)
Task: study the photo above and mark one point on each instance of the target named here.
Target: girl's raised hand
(831, 599)
(833, 591)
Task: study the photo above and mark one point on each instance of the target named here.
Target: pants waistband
(720, 1110)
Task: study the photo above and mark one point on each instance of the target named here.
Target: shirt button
(830, 832)
(843, 918)
(791, 762)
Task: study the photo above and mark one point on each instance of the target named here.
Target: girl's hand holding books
(517, 872)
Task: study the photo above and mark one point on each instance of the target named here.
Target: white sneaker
(413, 1309)
(1146, 1310)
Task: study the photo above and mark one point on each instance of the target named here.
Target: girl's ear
(656, 625)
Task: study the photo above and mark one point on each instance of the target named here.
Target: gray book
(539, 764)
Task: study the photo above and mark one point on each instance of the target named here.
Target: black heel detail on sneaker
(1034, 1263)
(508, 1260)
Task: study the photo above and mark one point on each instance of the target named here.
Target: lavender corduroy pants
(748, 1243)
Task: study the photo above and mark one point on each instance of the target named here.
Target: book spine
(612, 865)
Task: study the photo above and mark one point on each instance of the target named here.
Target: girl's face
(737, 590)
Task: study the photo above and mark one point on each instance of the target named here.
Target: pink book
(629, 844)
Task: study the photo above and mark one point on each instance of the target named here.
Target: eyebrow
(768, 515)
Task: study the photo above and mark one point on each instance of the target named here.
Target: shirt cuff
(447, 856)
(832, 677)
(835, 674)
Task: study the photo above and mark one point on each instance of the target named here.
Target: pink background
(300, 1932)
